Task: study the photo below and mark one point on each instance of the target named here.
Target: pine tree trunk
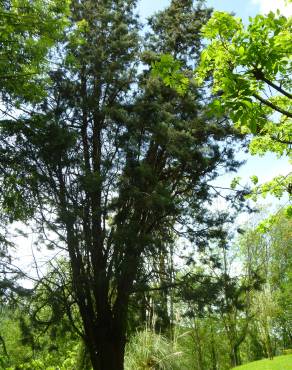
(110, 355)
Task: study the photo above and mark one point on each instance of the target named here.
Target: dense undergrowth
(146, 350)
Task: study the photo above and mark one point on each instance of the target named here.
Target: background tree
(266, 249)
(29, 30)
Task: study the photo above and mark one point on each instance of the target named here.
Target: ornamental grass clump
(148, 350)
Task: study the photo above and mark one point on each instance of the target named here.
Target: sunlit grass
(278, 363)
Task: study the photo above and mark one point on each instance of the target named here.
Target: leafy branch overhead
(248, 69)
(170, 71)
(28, 31)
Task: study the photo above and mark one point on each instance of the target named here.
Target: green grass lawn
(278, 363)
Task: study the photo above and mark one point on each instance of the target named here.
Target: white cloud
(272, 5)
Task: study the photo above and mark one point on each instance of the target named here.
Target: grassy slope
(278, 363)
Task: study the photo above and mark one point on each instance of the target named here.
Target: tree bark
(110, 353)
(235, 356)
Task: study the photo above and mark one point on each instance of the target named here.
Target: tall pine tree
(111, 160)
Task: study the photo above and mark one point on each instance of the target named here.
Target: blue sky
(242, 8)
